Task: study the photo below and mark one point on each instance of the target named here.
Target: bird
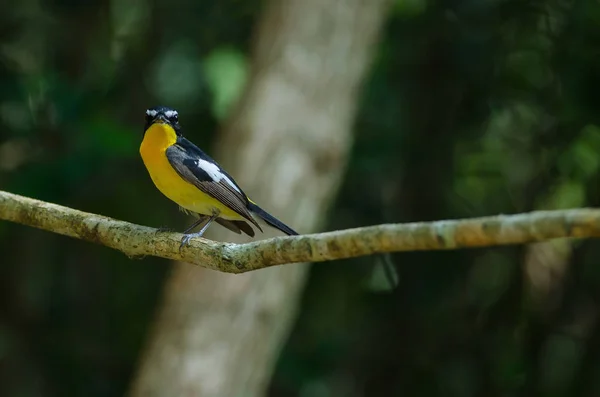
(193, 180)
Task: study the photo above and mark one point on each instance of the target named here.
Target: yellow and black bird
(193, 180)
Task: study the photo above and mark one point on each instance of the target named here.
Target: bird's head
(162, 115)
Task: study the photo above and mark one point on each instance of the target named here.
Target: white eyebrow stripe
(215, 173)
(171, 113)
(151, 112)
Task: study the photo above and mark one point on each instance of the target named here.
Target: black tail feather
(271, 220)
(236, 226)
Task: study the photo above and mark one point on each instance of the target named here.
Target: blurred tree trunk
(287, 144)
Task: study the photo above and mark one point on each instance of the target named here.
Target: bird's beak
(160, 119)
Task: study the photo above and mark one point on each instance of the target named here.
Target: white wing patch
(151, 112)
(215, 173)
(171, 113)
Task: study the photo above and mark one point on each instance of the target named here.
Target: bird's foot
(188, 236)
(185, 240)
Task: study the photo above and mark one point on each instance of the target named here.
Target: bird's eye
(174, 118)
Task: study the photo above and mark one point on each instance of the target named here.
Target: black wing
(201, 171)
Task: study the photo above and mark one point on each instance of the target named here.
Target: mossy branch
(138, 241)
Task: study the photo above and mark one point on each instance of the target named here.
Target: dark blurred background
(470, 108)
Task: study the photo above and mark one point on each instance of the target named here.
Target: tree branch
(138, 241)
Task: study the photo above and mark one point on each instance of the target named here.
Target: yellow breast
(156, 141)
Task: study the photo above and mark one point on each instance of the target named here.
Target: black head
(163, 115)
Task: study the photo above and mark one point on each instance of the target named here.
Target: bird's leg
(201, 218)
(189, 236)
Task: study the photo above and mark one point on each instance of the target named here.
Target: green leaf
(568, 194)
(226, 74)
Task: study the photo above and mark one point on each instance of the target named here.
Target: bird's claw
(185, 241)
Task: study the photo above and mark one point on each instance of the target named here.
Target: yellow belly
(168, 181)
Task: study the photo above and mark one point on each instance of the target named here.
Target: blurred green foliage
(471, 108)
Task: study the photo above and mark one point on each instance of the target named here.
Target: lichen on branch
(139, 241)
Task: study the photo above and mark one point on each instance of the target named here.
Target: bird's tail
(271, 220)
